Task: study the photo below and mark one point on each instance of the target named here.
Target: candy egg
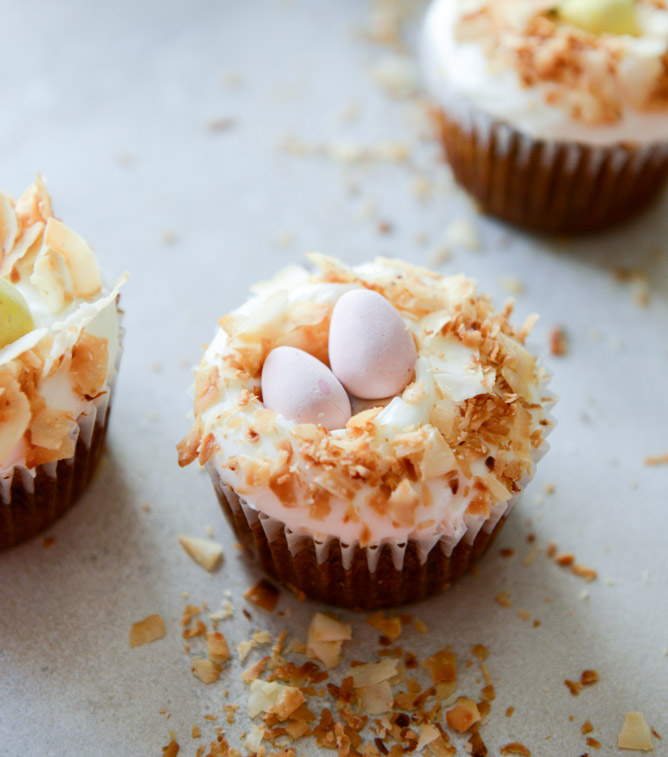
(300, 387)
(601, 16)
(15, 318)
(371, 350)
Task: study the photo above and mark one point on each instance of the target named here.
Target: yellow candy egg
(15, 318)
(601, 16)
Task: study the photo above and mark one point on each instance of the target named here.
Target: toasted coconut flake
(657, 459)
(480, 651)
(263, 594)
(254, 739)
(390, 627)
(635, 733)
(503, 598)
(325, 639)
(261, 637)
(205, 670)
(78, 257)
(376, 698)
(206, 553)
(14, 413)
(275, 698)
(589, 677)
(325, 628)
(255, 670)
(328, 652)
(565, 559)
(373, 672)
(90, 357)
(216, 647)
(438, 458)
(420, 626)
(51, 277)
(297, 728)
(558, 342)
(515, 748)
(171, 750)
(442, 666)
(582, 571)
(403, 502)
(148, 630)
(50, 428)
(9, 226)
(428, 733)
(463, 715)
(244, 648)
(34, 204)
(20, 261)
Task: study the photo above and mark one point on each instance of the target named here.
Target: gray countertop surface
(202, 146)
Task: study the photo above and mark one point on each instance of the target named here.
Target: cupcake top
(591, 71)
(59, 333)
(449, 451)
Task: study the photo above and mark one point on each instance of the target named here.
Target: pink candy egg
(371, 350)
(300, 387)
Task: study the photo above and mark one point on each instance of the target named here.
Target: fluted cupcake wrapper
(350, 575)
(550, 186)
(32, 500)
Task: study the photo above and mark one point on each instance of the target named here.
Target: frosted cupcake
(554, 115)
(59, 352)
(367, 430)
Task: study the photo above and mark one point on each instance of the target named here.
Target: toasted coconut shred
(55, 378)
(444, 459)
(320, 695)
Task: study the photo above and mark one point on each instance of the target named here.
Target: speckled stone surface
(202, 146)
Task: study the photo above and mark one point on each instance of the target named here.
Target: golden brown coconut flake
(205, 552)
(263, 594)
(635, 733)
(147, 630)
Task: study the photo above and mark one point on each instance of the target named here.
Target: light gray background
(113, 103)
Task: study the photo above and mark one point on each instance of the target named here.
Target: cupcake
(553, 114)
(367, 430)
(59, 353)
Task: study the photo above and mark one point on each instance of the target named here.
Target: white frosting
(99, 318)
(446, 372)
(458, 74)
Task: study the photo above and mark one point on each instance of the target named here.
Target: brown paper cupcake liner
(350, 575)
(31, 501)
(548, 186)
(35, 501)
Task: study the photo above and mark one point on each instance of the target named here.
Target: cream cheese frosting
(447, 456)
(517, 62)
(60, 372)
